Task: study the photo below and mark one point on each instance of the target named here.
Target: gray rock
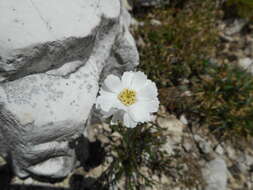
(248, 160)
(204, 145)
(174, 129)
(52, 58)
(245, 162)
(219, 150)
(183, 119)
(215, 174)
(246, 63)
(236, 26)
(187, 146)
(155, 22)
(231, 152)
(149, 3)
(172, 124)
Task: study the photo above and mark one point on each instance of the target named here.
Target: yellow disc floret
(127, 97)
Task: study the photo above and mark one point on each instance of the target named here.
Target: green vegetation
(242, 8)
(223, 99)
(137, 156)
(177, 56)
(186, 37)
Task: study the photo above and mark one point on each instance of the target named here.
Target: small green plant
(242, 8)
(186, 37)
(137, 156)
(224, 98)
(177, 56)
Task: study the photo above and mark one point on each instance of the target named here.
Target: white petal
(113, 83)
(128, 121)
(127, 79)
(105, 101)
(150, 106)
(118, 104)
(148, 91)
(138, 113)
(139, 80)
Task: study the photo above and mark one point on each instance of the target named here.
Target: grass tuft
(178, 56)
(240, 8)
(136, 157)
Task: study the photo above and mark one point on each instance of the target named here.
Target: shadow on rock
(79, 182)
(6, 175)
(96, 156)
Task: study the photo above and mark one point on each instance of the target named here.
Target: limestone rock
(150, 3)
(53, 54)
(246, 63)
(155, 22)
(171, 123)
(219, 149)
(174, 129)
(236, 26)
(204, 145)
(215, 174)
(2, 162)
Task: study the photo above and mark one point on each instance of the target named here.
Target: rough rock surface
(150, 3)
(237, 43)
(52, 57)
(130, 4)
(215, 174)
(224, 166)
(204, 161)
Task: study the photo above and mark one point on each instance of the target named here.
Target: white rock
(236, 26)
(116, 136)
(53, 54)
(155, 22)
(215, 175)
(52, 97)
(231, 152)
(248, 160)
(188, 146)
(242, 167)
(245, 162)
(204, 145)
(219, 150)
(174, 130)
(31, 22)
(172, 124)
(96, 172)
(183, 119)
(169, 146)
(247, 64)
(28, 181)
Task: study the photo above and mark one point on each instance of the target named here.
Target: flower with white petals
(131, 99)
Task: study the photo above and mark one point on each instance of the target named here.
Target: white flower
(131, 99)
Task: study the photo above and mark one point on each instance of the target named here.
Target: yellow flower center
(127, 97)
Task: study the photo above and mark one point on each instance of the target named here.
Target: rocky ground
(237, 43)
(204, 161)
